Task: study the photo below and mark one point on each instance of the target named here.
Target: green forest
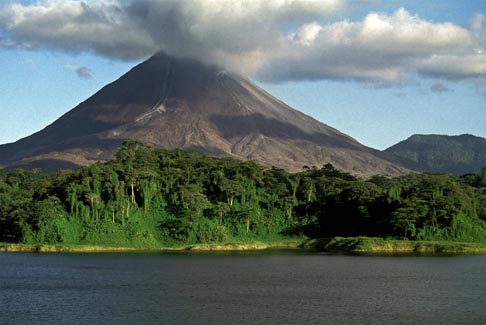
(148, 197)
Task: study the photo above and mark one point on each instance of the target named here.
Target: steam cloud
(272, 40)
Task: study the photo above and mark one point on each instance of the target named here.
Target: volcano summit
(170, 102)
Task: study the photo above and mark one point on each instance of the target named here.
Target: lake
(237, 288)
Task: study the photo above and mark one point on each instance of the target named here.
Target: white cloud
(273, 40)
(75, 26)
(455, 66)
(386, 48)
(308, 33)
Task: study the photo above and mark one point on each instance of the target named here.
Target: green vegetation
(284, 243)
(393, 246)
(445, 154)
(148, 198)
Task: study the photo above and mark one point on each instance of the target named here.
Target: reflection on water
(270, 287)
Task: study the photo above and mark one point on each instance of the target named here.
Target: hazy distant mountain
(181, 103)
(446, 154)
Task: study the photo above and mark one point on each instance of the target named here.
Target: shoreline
(343, 245)
(375, 245)
(220, 247)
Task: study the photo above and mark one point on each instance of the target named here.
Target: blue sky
(379, 71)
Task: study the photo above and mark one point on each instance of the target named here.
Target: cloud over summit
(273, 40)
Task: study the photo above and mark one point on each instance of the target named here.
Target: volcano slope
(171, 102)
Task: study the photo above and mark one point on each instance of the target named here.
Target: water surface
(234, 288)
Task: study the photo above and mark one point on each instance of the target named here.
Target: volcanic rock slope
(170, 102)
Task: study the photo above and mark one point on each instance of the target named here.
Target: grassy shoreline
(358, 245)
(373, 245)
(291, 243)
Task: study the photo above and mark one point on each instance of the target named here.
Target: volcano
(171, 102)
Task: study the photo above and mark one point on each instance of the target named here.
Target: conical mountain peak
(174, 102)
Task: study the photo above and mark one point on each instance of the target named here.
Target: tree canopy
(147, 196)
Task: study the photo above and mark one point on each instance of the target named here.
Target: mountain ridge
(456, 154)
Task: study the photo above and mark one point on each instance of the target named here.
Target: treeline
(150, 197)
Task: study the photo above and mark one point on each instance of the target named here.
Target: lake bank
(372, 245)
(358, 245)
(67, 248)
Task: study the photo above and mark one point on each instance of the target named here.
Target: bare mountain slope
(181, 103)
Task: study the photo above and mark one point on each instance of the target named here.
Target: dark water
(262, 288)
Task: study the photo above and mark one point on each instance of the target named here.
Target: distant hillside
(442, 153)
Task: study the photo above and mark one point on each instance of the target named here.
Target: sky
(378, 70)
